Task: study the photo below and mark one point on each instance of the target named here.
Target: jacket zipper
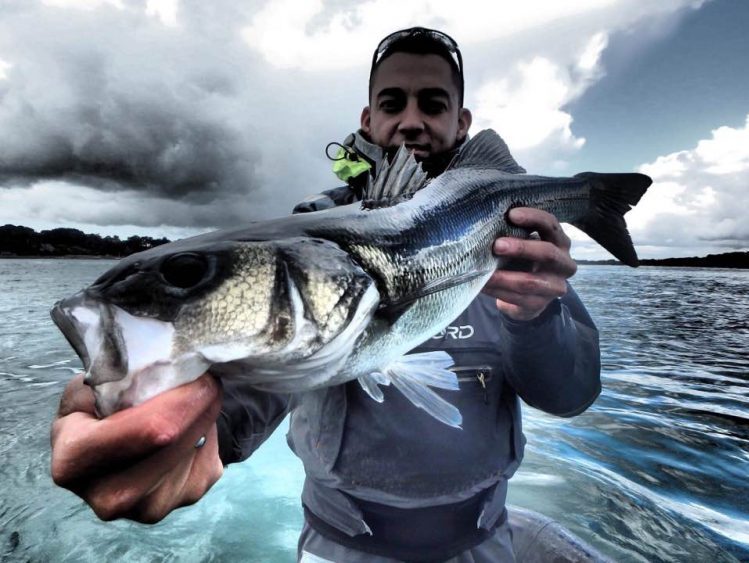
(482, 375)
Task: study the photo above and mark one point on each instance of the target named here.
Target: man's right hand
(139, 463)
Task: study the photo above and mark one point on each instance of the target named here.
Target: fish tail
(611, 196)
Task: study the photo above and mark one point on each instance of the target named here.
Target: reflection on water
(659, 464)
(655, 470)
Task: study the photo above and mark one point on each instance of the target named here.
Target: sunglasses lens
(416, 32)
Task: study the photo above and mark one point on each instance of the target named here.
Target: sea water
(656, 470)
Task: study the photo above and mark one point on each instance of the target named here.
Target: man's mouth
(419, 151)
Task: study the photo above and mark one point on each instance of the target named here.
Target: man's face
(415, 101)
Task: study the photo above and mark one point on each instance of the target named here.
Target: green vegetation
(727, 260)
(23, 241)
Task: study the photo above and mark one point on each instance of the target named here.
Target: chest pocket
(475, 379)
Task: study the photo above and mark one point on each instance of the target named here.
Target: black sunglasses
(432, 35)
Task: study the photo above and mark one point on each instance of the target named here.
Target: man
(385, 482)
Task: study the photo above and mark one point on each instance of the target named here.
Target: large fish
(318, 299)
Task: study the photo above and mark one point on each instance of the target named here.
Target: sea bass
(318, 299)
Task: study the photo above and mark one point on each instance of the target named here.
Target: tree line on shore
(24, 241)
(739, 260)
(16, 240)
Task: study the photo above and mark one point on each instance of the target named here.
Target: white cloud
(727, 152)
(4, 68)
(696, 203)
(527, 104)
(165, 10)
(82, 4)
(49, 203)
(302, 34)
(524, 100)
(697, 193)
(211, 113)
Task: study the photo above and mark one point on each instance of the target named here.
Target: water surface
(656, 470)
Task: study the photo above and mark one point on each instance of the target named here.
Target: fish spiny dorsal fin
(396, 181)
(487, 150)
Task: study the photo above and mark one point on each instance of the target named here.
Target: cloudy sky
(171, 117)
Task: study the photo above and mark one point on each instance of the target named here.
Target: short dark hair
(421, 41)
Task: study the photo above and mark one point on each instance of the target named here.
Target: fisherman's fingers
(148, 490)
(84, 447)
(519, 312)
(543, 222)
(76, 397)
(545, 256)
(523, 295)
(183, 486)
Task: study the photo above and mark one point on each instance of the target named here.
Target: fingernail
(501, 246)
(517, 215)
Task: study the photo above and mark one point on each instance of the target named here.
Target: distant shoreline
(59, 257)
(722, 261)
(643, 263)
(730, 260)
(24, 243)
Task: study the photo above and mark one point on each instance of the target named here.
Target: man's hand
(139, 463)
(524, 295)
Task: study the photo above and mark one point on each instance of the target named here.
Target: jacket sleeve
(342, 195)
(248, 417)
(553, 362)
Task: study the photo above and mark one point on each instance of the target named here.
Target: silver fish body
(318, 299)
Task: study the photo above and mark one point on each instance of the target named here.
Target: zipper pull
(482, 379)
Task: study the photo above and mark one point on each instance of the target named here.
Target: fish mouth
(70, 327)
(127, 359)
(91, 328)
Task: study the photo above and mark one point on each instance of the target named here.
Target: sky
(173, 117)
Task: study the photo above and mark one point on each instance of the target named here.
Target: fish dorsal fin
(396, 181)
(487, 150)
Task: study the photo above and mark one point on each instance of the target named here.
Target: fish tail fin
(414, 374)
(611, 196)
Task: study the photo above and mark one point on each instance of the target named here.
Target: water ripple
(655, 470)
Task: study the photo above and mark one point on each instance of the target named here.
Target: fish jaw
(139, 386)
(127, 359)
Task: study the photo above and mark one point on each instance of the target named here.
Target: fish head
(163, 317)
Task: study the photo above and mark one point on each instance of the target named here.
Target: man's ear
(464, 123)
(364, 120)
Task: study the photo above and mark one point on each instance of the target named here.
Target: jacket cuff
(519, 327)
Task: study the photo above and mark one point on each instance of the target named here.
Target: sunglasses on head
(431, 35)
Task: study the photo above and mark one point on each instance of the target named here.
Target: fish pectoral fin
(393, 309)
(371, 382)
(414, 374)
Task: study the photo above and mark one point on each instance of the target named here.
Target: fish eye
(184, 270)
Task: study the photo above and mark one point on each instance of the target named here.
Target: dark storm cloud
(114, 99)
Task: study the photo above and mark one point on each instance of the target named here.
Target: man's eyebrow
(390, 92)
(434, 93)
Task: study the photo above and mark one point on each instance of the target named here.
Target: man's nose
(412, 119)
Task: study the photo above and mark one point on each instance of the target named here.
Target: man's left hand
(523, 295)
